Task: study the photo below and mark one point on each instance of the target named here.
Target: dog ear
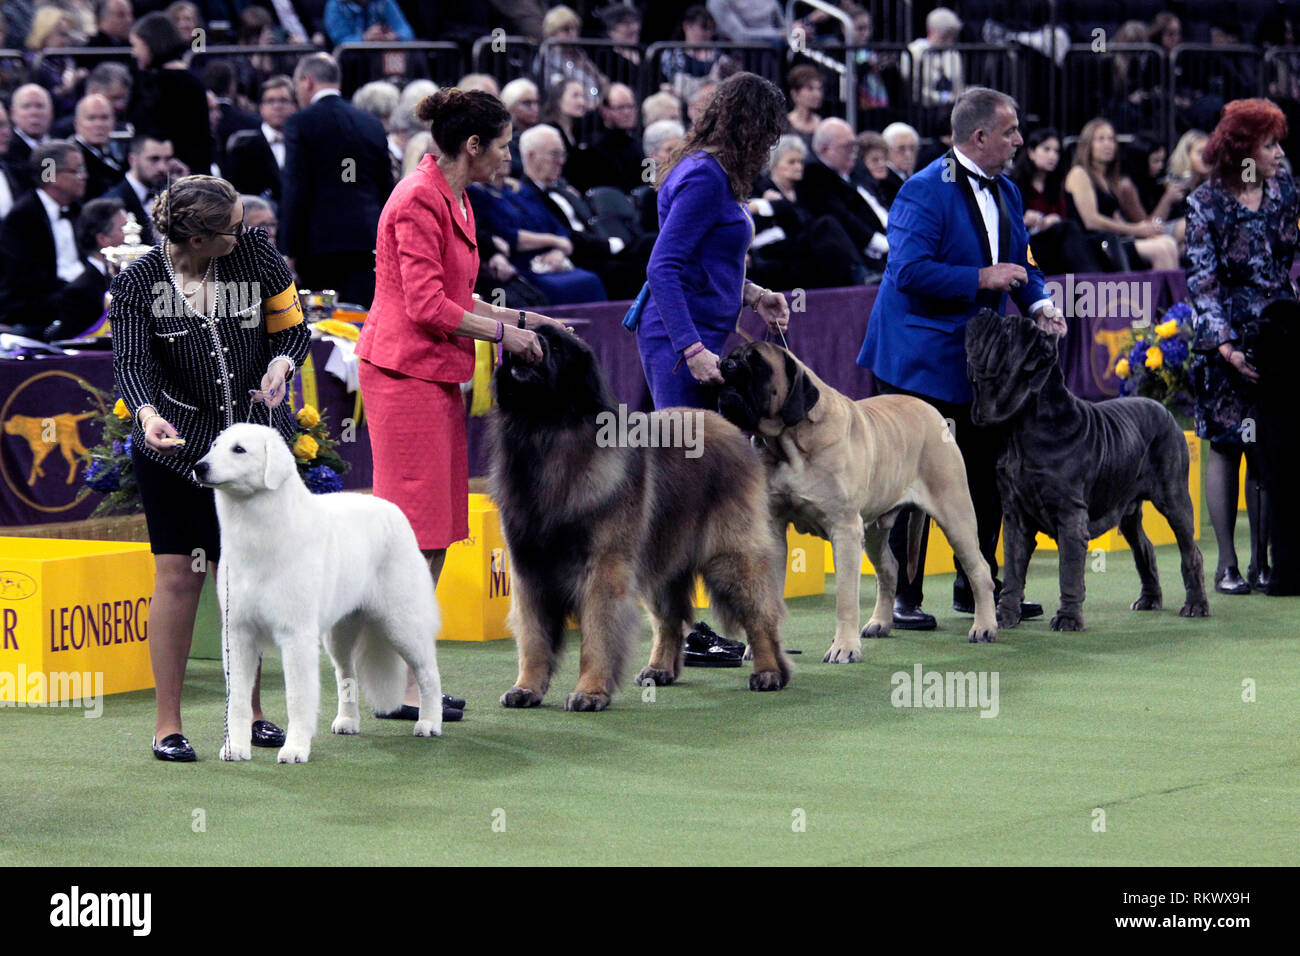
(277, 467)
(801, 394)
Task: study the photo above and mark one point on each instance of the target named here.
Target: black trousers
(980, 448)
(350, 274)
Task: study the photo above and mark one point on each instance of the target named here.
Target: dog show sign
(474, 589)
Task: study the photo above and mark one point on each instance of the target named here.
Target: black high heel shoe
(1258, 580)
(1230, 581)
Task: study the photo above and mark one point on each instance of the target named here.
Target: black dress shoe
(1230, 581)
(1030, 609)
(266, 734)
(411, 712)
(455, 703)
(1258, 580)
(707, 648)
(175, 748)
(908, 618)
(964, 603)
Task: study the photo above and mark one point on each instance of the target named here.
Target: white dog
(297, 568)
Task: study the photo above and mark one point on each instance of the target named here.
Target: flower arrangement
(109, 470)
(1154, 362)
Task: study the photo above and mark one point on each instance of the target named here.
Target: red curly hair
(1244, 126)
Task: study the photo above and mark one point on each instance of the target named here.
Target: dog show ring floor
(1148, 739)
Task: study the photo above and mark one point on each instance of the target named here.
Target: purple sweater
(697, 268)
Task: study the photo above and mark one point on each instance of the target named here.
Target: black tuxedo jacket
(232, 121)
(81, 304)
(336, 179)
(19, 159)
(591, 245)
(30, 286)
(250, 165)
(16, 185)
(131, 201)
(103, 174)
(826, 194)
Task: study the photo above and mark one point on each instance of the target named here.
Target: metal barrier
(1280, 78)
(765, 59)
(1202, 77)
(934, 79)
(844, 68)
(603, 61)
(504, 57)
(253, 64)
(1126, 83)
(13, 72)
(401, 62)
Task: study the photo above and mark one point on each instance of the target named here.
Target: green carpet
(1141, 717)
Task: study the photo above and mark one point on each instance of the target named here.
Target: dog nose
(201, 469)
(728, 367)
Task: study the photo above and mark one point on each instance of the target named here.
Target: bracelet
(501, 332)
(759, 298)
(523, 319)
(693, 351)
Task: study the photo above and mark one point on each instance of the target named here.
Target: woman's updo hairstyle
(194, 206)
(454, 115)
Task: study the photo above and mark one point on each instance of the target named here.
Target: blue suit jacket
(916, 337)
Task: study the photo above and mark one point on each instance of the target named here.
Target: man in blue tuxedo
(957, 244)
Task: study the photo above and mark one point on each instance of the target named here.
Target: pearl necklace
(175, 281)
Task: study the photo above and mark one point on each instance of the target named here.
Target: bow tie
(986, 182)
(65, 212)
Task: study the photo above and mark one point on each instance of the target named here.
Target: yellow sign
(474, 589)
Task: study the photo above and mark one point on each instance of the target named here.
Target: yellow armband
(282, 311)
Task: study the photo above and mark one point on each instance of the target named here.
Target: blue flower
(102, 476)
(323, 480)
(1174, 350)
(126, 447)
(117, 448)
(1137, 356)
(1180, 311)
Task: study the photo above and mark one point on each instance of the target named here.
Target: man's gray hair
(321, 67)
(378, 98)
(896, 131)
(658, 133)
(822, 134)
(528, 139)
(516, 90)
(976, 109)
(256, 204)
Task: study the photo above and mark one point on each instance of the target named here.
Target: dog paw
(876, 628)
(520, 697)
(1066, 622)
(982, 635)
(844, 652)
(1008, 617)
(1199, 608)
(426, 728)
(294, 753)
(345, 725)
(653, 675)
(767, 680)
(582, 701)
(1148, 602)
(231, 751)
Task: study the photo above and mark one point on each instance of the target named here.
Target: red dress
(412, 363)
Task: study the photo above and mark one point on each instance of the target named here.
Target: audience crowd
(88, 140)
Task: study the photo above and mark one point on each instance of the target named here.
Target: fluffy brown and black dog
(591, 529)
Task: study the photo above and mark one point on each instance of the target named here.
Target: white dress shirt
(276, 139)
(68, 263)
(321, 94)
(879, 244)
(142, 193)
(6, 196)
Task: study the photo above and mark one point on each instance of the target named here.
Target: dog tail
(381, 673)
(915, 528)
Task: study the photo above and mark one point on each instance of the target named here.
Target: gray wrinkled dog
(297, 568)
(1074, 469)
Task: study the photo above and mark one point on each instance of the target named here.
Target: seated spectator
(149, 160)
(1099, 193)
(31, 111)
(622, 23)
(904, 144)
(53, 28)
(564, 109)
(81, 305)
(166, 96)
(480, 81)
(260, 214)
(498, 280)
(379, 98)
(186, 18)
(791, 246)
(523, 103)
(255, 157)
(749, 21)
(872, 171)
(1145, 162)
(933, 68)
(560, 62)
(112, 80)
(685, 68)
(93, 127)
(877, 72)
(537, 240)
(660, 106)
(37, 245)
(1056, 239)
(113, 19)
(805, 83)
(614, 157)
(827, 191)
(657, 144)
(355, 21)
(1187, 166)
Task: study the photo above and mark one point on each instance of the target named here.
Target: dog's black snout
(201, 469)
(729, 366)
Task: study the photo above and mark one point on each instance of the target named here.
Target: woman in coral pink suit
(416, 346)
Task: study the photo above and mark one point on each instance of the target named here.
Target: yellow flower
(1155, 358)
(305, 448)
(1122, 369)
(1167, 330)
(308, 416)
(120, 409)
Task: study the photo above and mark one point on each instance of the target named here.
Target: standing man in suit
(337, 178)
(827, 190)
(32, 111)
(958, 244)
(37, 244)
(148, 160)
(255, 157)
(93, 128)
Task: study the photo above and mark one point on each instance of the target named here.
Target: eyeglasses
(239, 231)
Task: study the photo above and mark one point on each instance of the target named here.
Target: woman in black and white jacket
(204, 325)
